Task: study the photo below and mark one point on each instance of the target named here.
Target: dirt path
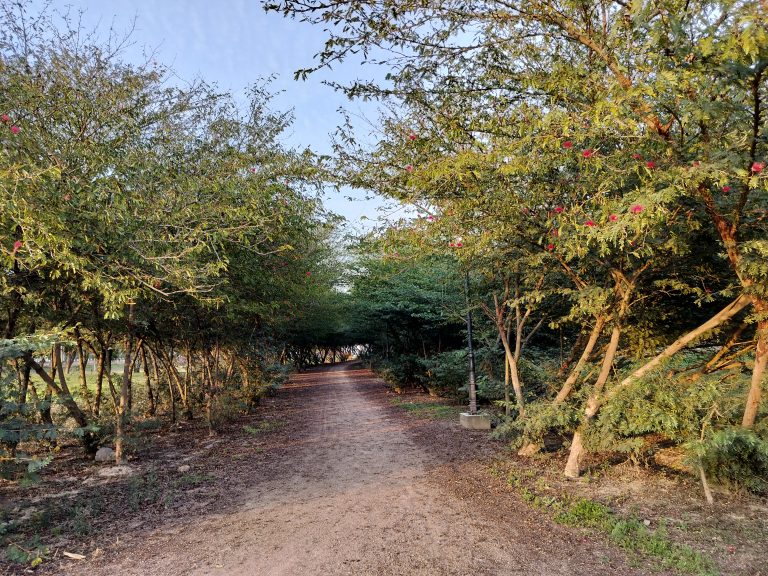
(358, 487)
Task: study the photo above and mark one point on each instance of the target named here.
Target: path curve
(354, 492)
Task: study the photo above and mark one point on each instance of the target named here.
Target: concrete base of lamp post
(475, 421)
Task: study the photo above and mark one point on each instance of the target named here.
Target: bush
(735, 456)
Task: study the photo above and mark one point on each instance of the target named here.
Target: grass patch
(263, 426)
(431, 410)
(191, 480)
(628, 533)
(31, 552)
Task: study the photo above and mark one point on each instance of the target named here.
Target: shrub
(735, 456)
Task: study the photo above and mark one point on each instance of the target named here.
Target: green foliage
(445, 373)
(431, 410)
(542, 418)
(734, 456)
(577, 161)
(31, 553)
(587, 513)
(263, 426)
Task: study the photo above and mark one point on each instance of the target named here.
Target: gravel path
(359, 487)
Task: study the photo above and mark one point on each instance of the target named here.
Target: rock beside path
(105, 454)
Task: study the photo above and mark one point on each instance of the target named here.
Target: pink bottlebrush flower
(637, 156)
(5, 118)
(726, 189)
(757, 167)
(550, 247)
(589, 223)
(650, 164)
(588, 153)
(409, 168)
(430, 218)
(613, 217)
(636, 209)
(15, 129)
(567, 144)
(558, 209)
(309, 273)
(16, 245)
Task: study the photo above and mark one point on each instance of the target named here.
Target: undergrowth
(432, 410)
(628, 532)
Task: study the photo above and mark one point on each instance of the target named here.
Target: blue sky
(233, 43)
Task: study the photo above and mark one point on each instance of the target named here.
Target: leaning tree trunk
(90, 442)
(573, 466)
(583, 359)
(758, 375)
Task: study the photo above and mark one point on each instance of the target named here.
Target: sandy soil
(356, 486)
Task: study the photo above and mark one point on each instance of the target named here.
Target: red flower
(550, 247)
(636, 209)
(613, 217)
(451, 244)
(309, 273)
(18, 244)
(588, 153)
(567, 144)
(650, 164)
(637, 156)
(411, 136)
(589, 223)
(696, 163)
(757, 167)
(558, 209)
(726, 189)
(15, 129)
(459, 244)
(5, 118)
(409, 168)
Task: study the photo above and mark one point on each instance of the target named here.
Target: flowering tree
(632, 132)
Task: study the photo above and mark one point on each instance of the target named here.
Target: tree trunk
(80, 417)
(43, 408)
(725, 314)
(70, 359)
(758, 373)
(100, 367)
(513, 369)
(151, 408)
(507, 400)
(82, 360)
(575, 456)
(574, 375)
(122, 407)
(24, 385)
(577, 345)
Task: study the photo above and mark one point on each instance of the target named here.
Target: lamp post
(472, 382)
